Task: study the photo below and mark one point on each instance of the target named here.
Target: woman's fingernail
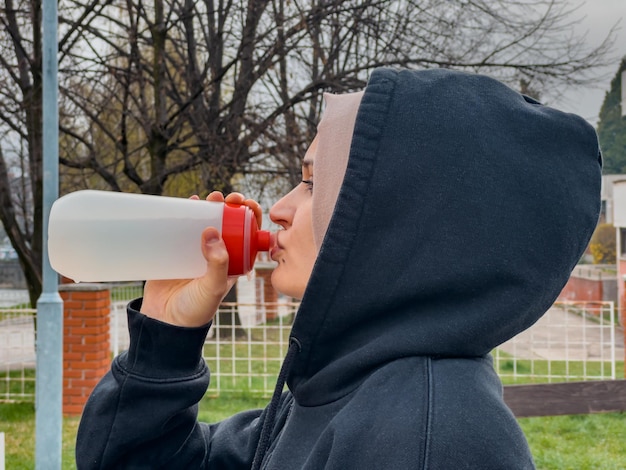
(212, 237)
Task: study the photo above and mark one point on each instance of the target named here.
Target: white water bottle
(103, 236)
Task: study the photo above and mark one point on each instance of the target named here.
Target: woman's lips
(276, 249)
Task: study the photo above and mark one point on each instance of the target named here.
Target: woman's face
(295, 250)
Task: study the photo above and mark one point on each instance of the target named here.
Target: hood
(464, 207)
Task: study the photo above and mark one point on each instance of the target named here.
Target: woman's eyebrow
(307, 163)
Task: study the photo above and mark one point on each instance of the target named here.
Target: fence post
(86, 341)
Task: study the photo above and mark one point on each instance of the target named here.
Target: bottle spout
(265, 240)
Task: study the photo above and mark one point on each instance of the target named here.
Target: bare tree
(182, 96)
(216, 89)
(21, 132)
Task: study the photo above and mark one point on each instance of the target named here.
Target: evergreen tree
(612, 127)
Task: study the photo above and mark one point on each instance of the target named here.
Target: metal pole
(49, 374)
(623, 102)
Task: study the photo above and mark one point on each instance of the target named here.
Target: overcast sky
(599, 15)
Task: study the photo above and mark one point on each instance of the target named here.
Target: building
(618, 218)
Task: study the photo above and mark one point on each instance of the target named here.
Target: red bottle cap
(243, 238)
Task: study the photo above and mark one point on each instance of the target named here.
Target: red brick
(103, 304)
(95, 322)
(72, 305)
(93, 312)
(84, 295)
(86, 365)
(80, 400)
(96, 374)
(72, 339)
(96, 356)
(72, 347)
(72, 391)
(83, 331)
(89, 307)
(72, 410)
(88, 347)
(72, 356)
(73, 374)
(96, 339)
(87, 384)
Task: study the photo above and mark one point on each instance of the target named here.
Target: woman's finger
(215, 196)
(238, 198)
(256, 208)
(235, 198)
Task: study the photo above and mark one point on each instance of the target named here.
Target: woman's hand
(194, 302)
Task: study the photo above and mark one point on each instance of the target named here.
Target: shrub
(602, 245)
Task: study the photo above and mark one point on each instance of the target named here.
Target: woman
(446, 214)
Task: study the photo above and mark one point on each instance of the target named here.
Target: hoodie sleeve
(143, 413)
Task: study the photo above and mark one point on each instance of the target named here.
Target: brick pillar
(270, 296)
(86, 342)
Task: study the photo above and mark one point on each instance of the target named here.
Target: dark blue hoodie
(464, 207)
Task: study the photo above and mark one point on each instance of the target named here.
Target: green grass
(17, 421)
(214, 409)
(579, 442)
(536, 371)
(16, 311)
(126, 292)
(18, 384)
(248, 367)
(593, 442)
(563, 442)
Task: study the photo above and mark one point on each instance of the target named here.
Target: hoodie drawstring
(270, 417)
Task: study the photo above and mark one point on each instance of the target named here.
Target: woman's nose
(281, 213)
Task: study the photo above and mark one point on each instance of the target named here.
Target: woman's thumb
(215, 254)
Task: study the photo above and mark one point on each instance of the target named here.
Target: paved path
(17, 333)
(10, 297)
(17, 344)
(561, 335)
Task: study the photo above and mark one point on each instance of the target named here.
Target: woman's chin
(285, 284)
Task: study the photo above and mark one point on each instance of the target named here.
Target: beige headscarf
(334, 137)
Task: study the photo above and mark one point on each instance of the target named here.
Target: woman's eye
(309, 184)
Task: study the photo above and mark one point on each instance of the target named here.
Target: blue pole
(49, 343)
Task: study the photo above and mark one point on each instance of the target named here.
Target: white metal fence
(246, 358)
(572, 341)
(247, 342)
(17, 346)
(245, 345)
